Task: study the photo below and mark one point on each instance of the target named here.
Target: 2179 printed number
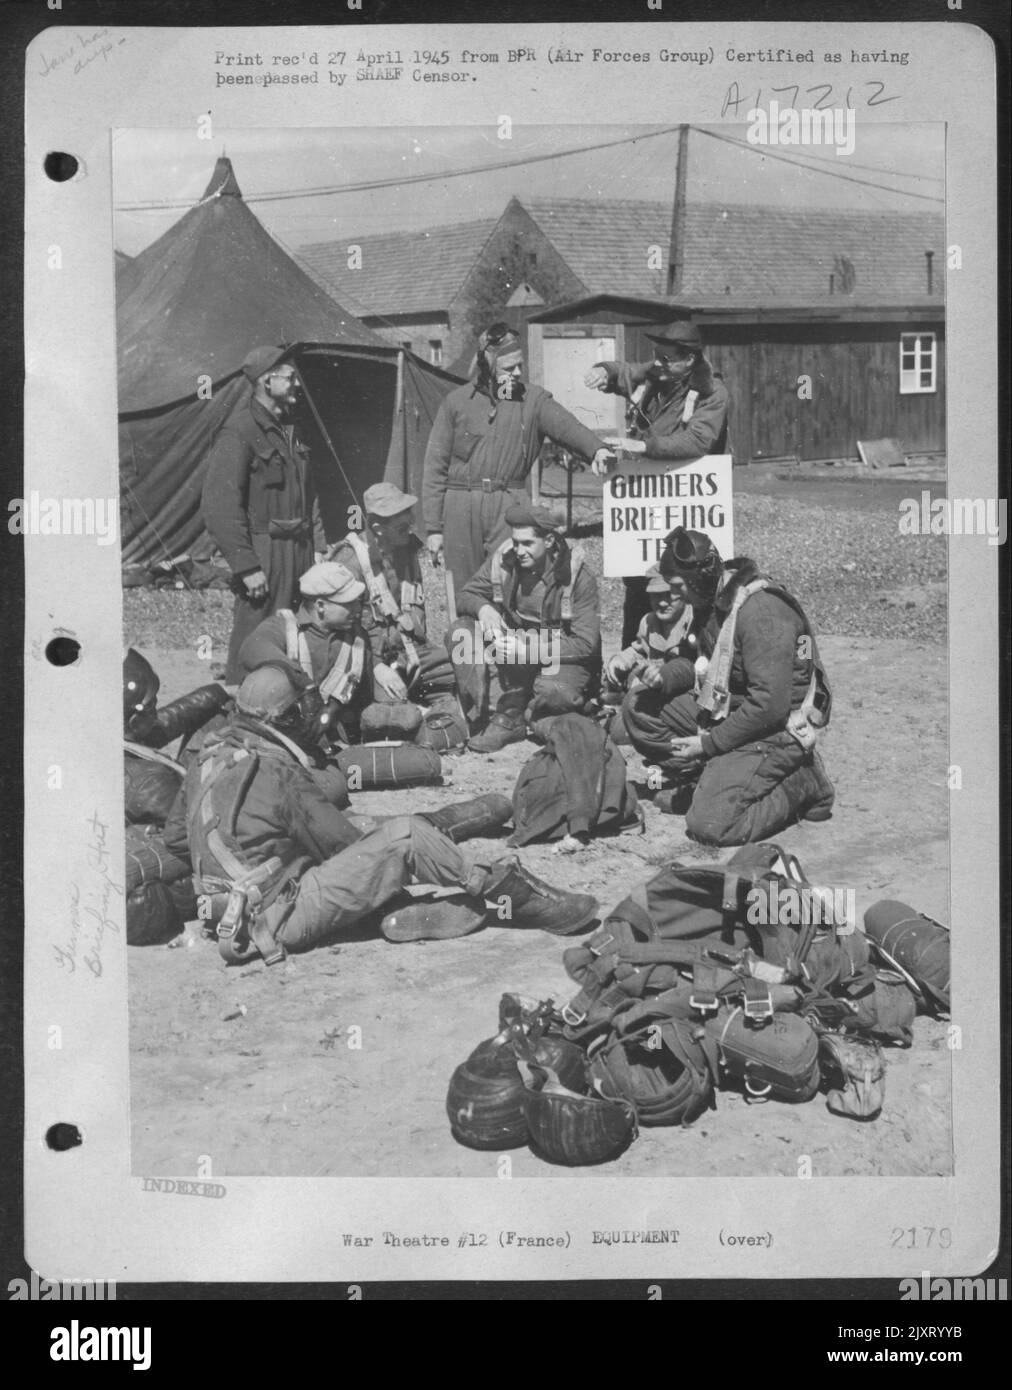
(921, 1237)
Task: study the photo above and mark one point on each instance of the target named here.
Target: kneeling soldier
(535, 621)
(749, 734)
(285, 870)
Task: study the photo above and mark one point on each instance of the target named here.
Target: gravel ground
(852, 570)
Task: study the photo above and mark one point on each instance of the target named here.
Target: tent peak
(223, 181)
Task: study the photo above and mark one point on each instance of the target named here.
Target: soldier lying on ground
(283, 870)
(531, 617)
(747, 741)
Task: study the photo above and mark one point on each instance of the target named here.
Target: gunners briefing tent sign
(644, 499)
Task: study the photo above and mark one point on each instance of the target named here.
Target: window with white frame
(436, 351)
(917, 362)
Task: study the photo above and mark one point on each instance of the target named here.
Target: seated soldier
(297, 871)
(405, 664)
(663, 634)
(323, 639)
(535, 622)
(748, 738)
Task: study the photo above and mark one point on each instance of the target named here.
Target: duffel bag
(153, 914)
(915, 945)
(780, 1059)
(159, 891)
(151, 784)
(400, 721)
(885, 1009)
(443, 726)
(378, 765)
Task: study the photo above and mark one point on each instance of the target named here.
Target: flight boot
(502, 729)
(468, 820)
(530, 902)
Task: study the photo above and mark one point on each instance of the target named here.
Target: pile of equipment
(706, 978)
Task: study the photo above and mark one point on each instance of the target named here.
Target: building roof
(401, 272)
(607, 241)
(744, 255)
(749, 255)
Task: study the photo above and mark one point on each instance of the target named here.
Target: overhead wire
(766, 153)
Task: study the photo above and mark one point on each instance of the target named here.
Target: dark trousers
(748, 794)
(283, 561)
(635, 607)
(515, 689)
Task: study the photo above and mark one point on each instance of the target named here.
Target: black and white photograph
(388, 403)
(530, 497)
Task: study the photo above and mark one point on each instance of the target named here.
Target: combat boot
(468, 820)
(534, 903)
(434, 919)
(502, 729)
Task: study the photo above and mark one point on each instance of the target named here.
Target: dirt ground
(252, 1066)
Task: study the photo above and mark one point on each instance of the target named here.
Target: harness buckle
(234, 915)
(704, 1001)
(486, 484)
(757, 1001)
(573, 1016)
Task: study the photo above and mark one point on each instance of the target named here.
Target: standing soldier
(259, 503)
(677, 410)
(483, 445)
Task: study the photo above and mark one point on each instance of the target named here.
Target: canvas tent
(189, 309)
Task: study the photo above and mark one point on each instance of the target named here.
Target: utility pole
(676, 254)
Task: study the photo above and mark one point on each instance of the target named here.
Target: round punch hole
(61, 1137)
(63, 651)
(59, 166)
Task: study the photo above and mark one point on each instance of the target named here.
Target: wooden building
(827, 327)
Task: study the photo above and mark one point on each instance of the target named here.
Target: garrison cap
(386, 499)
(678, 333)
(330, 580)
(656, 583)
(261, 360)
(527, 514)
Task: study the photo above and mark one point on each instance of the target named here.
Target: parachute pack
(691, 986)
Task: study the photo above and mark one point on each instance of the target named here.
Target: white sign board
(644, 499)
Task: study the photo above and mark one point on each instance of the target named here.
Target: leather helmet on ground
(485, 1100)
(575, 1130)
